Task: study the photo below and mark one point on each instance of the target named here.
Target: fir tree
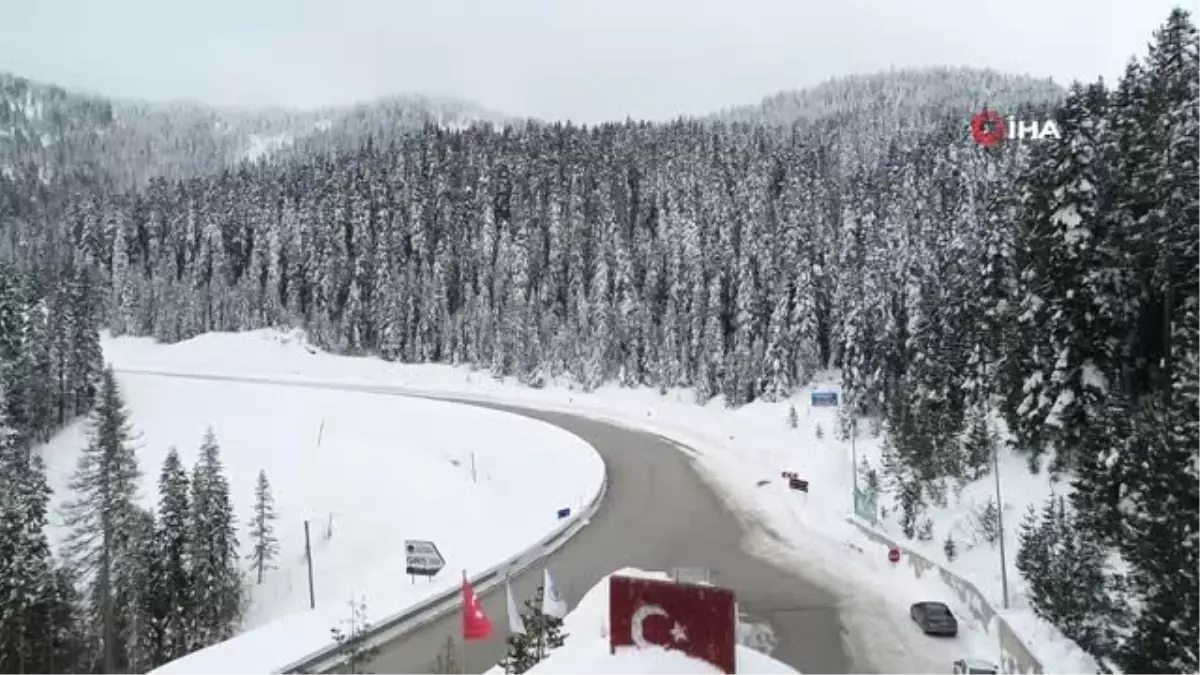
(987, 522)
(102, 517)
(520, 653)
(216, 577)
(25, 561)
(950, 548)
(978, 446)
(351, 637)
(133, 574)
(547, 628)
(1068, 580)
(172, 609)
(262, 529)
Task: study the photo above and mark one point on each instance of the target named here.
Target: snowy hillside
(744, 452)
(74, 136)
(366, 471)
(898, 99)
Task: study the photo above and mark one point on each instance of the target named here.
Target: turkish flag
(697, 620)
(476, 624)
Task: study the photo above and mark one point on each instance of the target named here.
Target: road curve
(658, 514)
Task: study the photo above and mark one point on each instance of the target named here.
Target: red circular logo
(988, 128)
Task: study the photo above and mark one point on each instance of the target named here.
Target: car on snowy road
(934, 618)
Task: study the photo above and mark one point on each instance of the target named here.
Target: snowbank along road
(658, 514)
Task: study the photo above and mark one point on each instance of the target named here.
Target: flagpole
(541, 624)
(462, 661)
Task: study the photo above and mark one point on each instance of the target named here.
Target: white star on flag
(679, 633)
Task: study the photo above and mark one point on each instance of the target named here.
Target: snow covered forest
(857, 228)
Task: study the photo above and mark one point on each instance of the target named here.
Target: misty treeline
(1052, 282)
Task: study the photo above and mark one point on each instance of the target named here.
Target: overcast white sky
(587, 60)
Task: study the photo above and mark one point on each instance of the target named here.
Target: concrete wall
(1016, 657)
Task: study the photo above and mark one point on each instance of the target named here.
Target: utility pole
(999, 517)
(312, 599)
(854, 451)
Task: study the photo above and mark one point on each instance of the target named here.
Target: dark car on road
(934, 618)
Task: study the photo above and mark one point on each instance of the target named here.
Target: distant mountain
(896, 104)
(903, 93)
(60, 134)
(49, 134)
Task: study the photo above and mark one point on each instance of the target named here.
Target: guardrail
(328, 657)
(1014, 655)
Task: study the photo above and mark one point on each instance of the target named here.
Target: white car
(971, 666)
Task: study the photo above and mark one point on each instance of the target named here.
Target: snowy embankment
(366, 471)
(739, 450)
(586, 649)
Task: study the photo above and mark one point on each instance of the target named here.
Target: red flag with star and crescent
(476, 624)
(697, 620)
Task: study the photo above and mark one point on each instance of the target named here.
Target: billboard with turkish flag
(700, 621)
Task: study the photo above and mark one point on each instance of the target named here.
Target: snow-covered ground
(367, 472)
(738, 448)
(586, 650)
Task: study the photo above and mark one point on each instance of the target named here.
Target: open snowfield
(368, 471)
(586, 650)
(739, 449)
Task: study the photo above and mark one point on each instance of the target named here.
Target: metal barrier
(328, 657)
(1014, 655)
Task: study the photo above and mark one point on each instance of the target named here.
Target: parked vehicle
(934, 618)
(973, 666)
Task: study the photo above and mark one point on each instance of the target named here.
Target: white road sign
(423, 558)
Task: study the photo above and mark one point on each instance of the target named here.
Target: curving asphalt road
(658, 514)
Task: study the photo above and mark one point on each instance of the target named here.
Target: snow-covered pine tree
(987, 522)
(262, 527)
(1069, 584)
(950, 548)
(61, 639)
(25, 560)
(350, 638)
(520, 652)
(216, 575)
(134, 572)
(101, 516)
(978, 445)
(545, 629)
(171, 605)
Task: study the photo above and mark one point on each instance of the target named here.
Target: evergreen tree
(521, 652)
(133, 574)
(979, 446)
(351, 636)
(1069, 583)
(103, 515)
(216, 591)
(25, 561)
(547, 627)
(171, 605)
(988, 522)
(262, 528)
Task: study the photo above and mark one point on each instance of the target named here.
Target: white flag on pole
(515, 623)
(553, 603)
